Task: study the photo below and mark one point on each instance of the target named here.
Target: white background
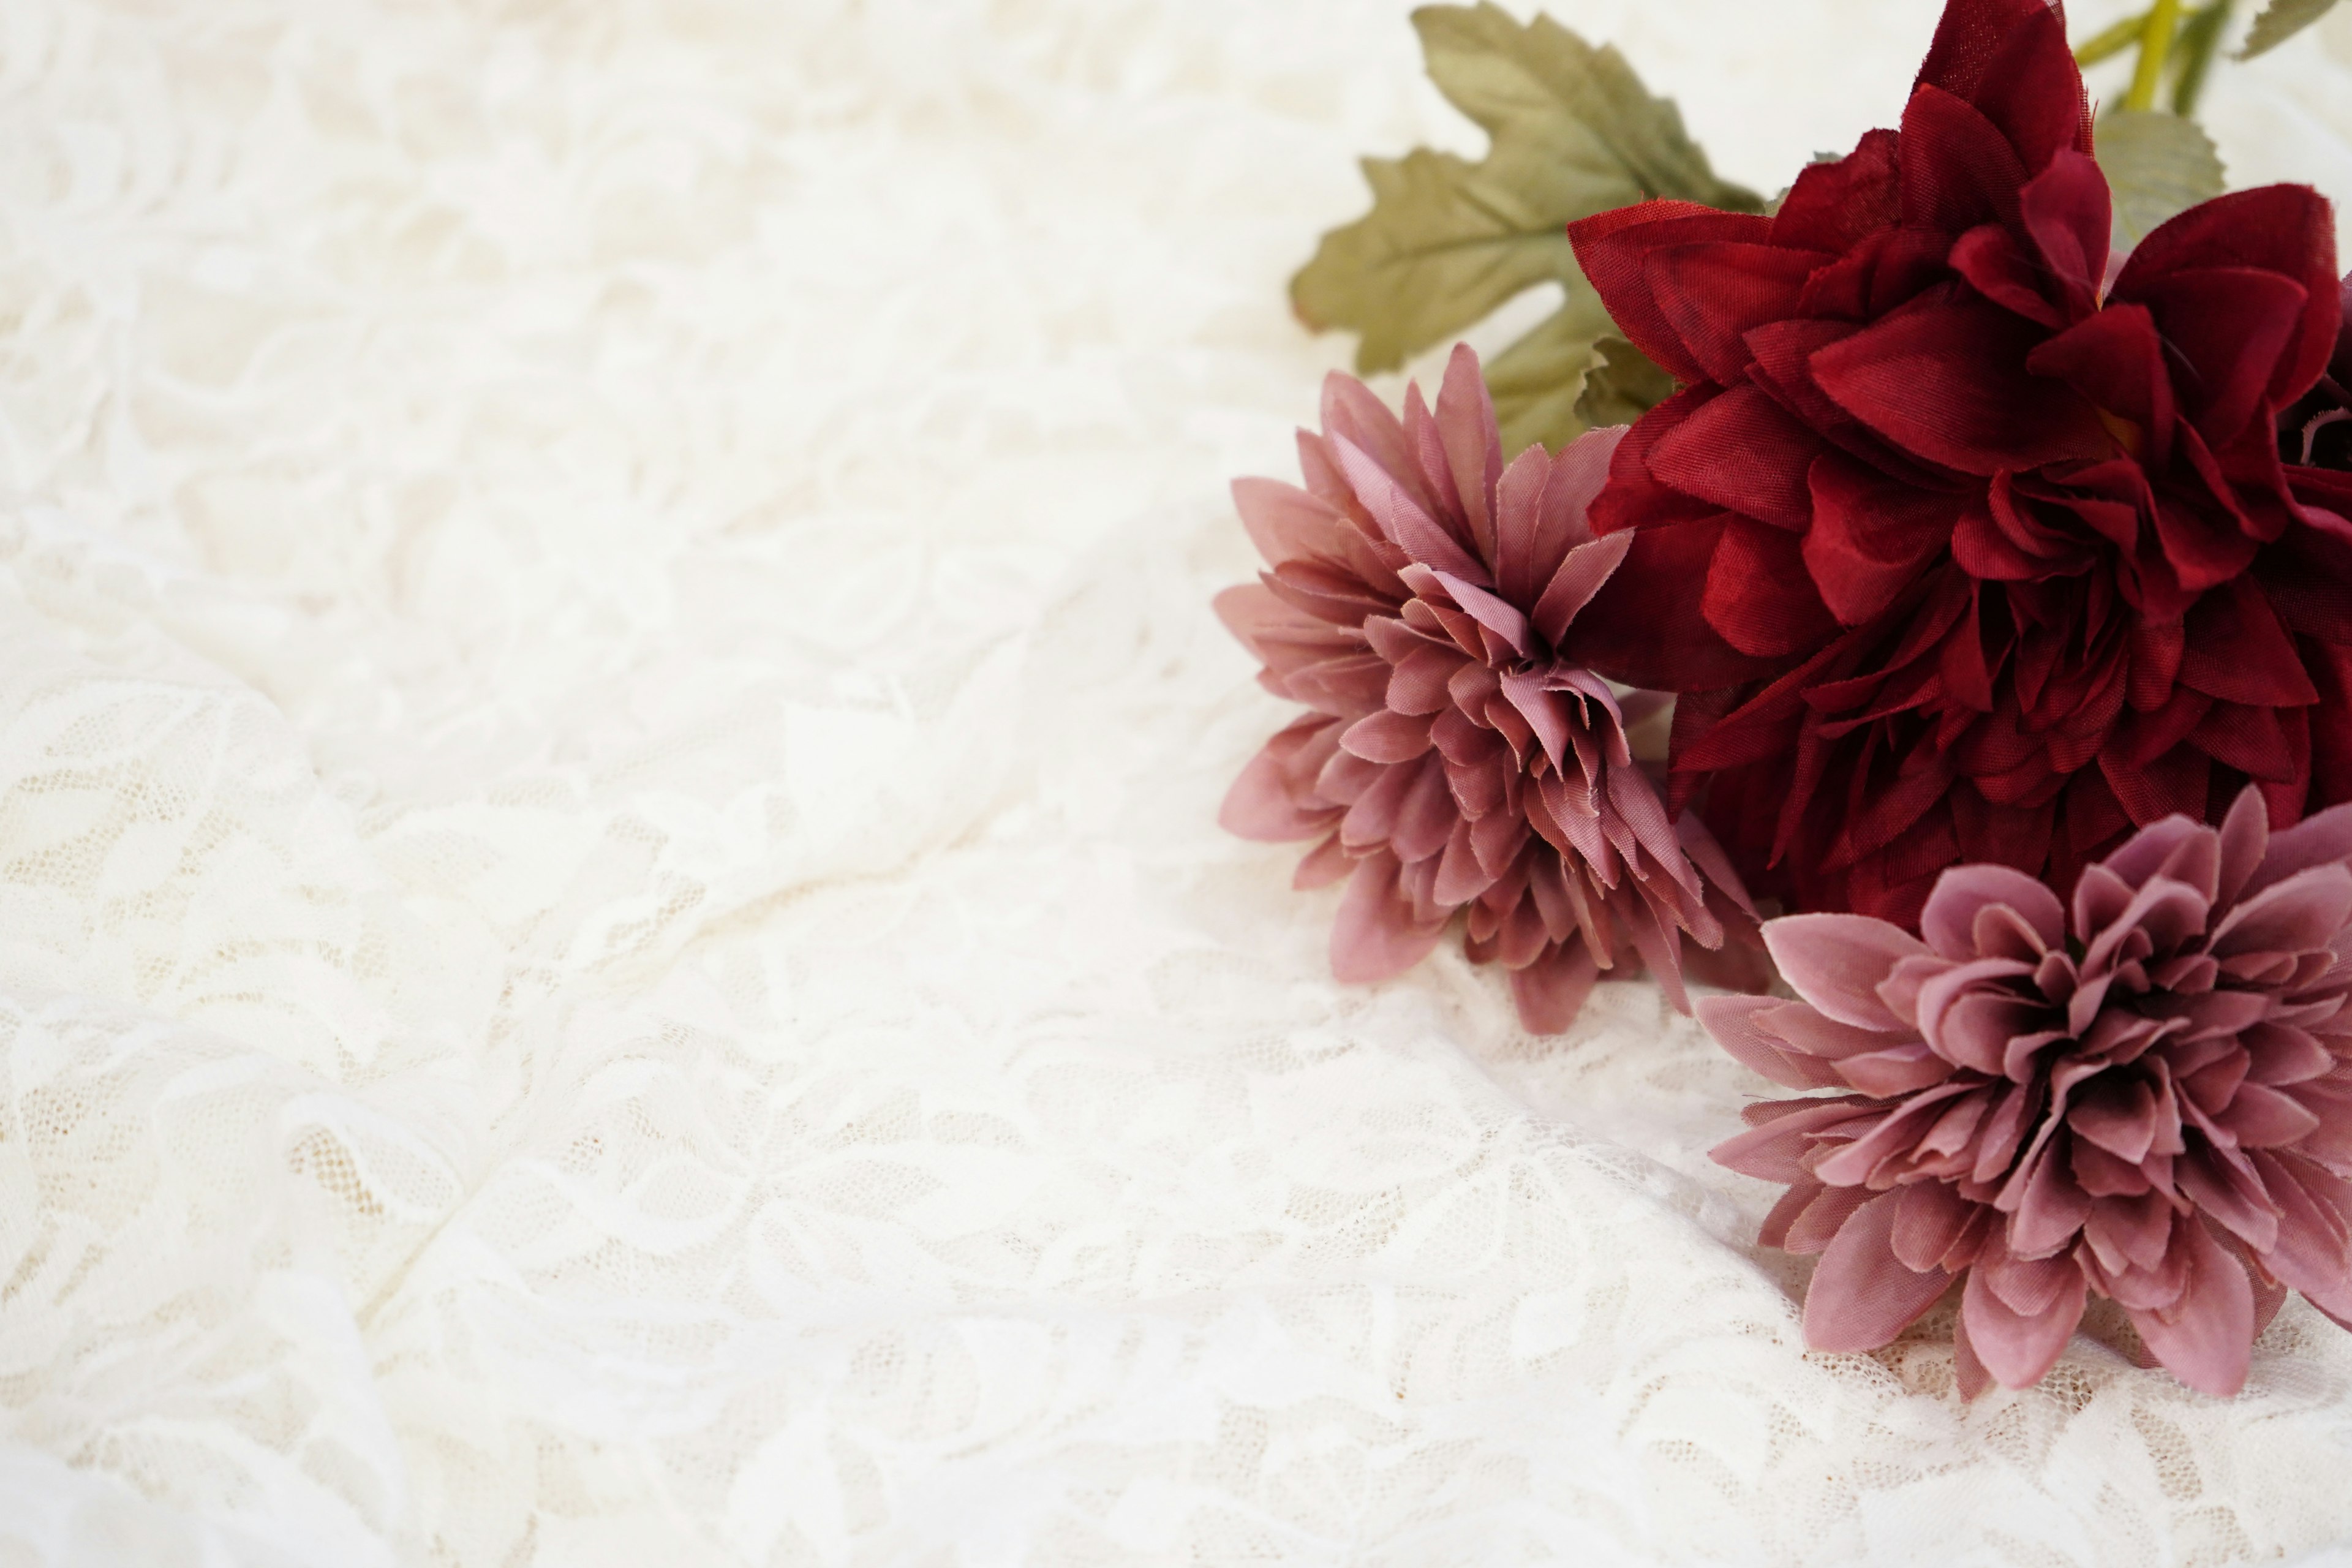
(612, 949)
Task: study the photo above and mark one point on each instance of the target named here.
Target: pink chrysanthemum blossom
(2152, 1102)
(1417, 600)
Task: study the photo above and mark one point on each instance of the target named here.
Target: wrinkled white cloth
(613, 946)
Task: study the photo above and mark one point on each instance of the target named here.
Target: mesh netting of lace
(612, 944)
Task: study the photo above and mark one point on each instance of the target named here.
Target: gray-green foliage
(2159, 165)
(1572, 132)
(2282, 20)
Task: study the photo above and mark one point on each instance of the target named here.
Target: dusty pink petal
(1353, 414)
(1970, 1017)
(1488, 611)
(1775, 1151)
(1929, 1218)
(1968, 1372)
(1474, 448)
(1400, 517)
(1732, 1020)
(1712, 862)
(1965, 894)
(2324, 837)
(2261, 1117)
(1324, 864)
(1387, 737)
(1815, 1227)
(2018, 1348)
(1580, 575)
(1836, 962)
(1551, 991)
(1252, 613)
(2177, 848)
(1518, 501)
(1285, 522)
(1375, 937)
(2206, 1338)
(1905, 1124)
(1264, 806)
(1774, 1231)
(2314, 1253)
(1579, 473)
(2300, 914)
(1658, 941)
(1895, 1072)
(1862, 1295)
(2246, 841)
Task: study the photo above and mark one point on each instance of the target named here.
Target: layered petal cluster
(2146, 1096)
(1416, 597)
(1963, 541)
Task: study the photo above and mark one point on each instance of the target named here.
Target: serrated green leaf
(2159, 165)
(1625, 385)
(2282, 20)
(1571, 373)
(1573, 133)
(1538, 383)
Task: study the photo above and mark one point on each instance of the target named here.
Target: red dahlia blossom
(1956, 551)
(1417, 593)
(2153, 1103)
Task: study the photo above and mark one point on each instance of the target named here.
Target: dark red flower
(1959, 543)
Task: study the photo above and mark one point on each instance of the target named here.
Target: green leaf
(1540, 381)
(1625, 385)
(1570, 373)
(1573, 133)
(2159, 165)
(2282, 20)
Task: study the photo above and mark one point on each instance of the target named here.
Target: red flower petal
(2227, 328)
(1971, 36)
(2286, 229)
(1769, 481)
(2115, 359)
(2033, 91)
(1945, 377)
(1712, 293)
(2236, 650)
(1613, 247)
(1759, 597)
(1833, 206)
(1646, 628)
(1871, 535)
(1958, 170)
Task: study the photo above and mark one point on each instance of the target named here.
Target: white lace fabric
(613, 946)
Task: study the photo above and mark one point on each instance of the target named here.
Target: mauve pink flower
(1417, 595)
(2152, 1102)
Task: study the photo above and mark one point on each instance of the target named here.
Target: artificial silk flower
(1961, 543)
(2146, 1098)
(1416, 597)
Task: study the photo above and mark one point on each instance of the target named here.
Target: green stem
(2155, 43)
(2200, 38)
(2113, 42)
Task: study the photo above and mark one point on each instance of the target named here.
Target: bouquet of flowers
(1973, 521)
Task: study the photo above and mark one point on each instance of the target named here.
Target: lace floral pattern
(612, 941)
